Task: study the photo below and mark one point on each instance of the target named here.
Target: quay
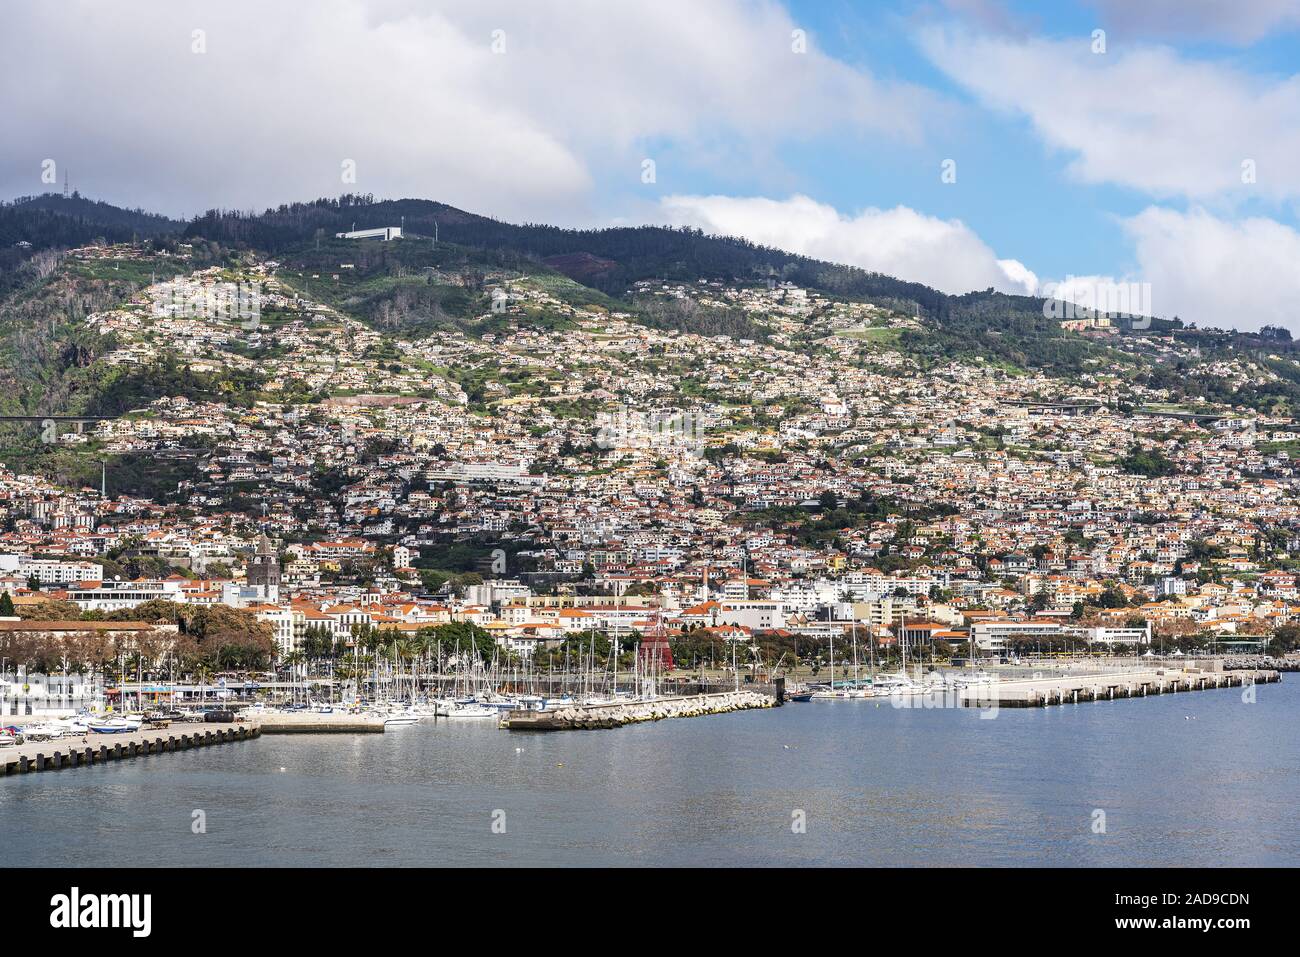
(1070, 689)
(334, 722)
(78, 751)
(586, 717)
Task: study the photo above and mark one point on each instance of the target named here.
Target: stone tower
(264, 570)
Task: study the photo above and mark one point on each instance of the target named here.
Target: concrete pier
(586, 717)
(1072, 689)
(72, 752)
(308, 722)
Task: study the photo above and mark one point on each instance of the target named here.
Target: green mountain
(54, 221)
(421, 293)
(418, 286)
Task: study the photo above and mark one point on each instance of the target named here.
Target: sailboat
(851, 693)
(828, 694)
(472, 710)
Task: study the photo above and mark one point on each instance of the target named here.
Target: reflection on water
(876, 785)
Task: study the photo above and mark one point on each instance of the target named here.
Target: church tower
(264, 571)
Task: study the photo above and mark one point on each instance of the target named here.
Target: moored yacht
(473, 711)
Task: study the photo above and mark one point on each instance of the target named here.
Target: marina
(879, 785)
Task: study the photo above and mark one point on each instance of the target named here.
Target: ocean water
(1197, 779)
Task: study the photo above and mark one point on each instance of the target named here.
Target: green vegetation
(1147, 462)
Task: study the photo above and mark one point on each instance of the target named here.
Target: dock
(1071, 689)
(80, 751)
(590, 717)
(310, 722)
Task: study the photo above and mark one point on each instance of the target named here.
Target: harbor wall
(307, 722)
(82, 751)
(1104, 686)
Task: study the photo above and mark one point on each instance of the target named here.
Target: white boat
(43, 732)
(113, 725)
(498, 704)
(473, 711)
(443, 707)
(891, 685)
(400, 720)
(979, 678)
(7, 740)
(839, 694)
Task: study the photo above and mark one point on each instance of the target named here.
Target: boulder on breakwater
(586, 717)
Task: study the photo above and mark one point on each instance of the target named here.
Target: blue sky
(1128, 164)
(1014, 190)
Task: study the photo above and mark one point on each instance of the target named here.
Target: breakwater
(1258, 662)
(328, 722)
(1072, 689)
(81, 751)
(588, 717)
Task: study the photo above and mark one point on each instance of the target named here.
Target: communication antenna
(66, 189)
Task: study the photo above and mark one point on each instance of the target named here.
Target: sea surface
(1201, 779)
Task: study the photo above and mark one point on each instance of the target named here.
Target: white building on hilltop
(384, 233)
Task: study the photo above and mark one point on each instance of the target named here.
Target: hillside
(417, 288)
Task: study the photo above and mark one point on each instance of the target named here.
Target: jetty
(1038, 692)
(80, 751)
(617, 714)
(311, 722)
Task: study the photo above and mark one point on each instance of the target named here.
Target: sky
(967, 144)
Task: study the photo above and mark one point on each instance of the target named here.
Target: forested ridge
(1008, 329)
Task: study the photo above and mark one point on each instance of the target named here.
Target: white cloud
(416, 95)
(1138, 116)
(1216, 272)
(1202, 269)
(1021, 276)
(899, 242)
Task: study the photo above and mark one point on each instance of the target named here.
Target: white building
(1115, 636)
(281, 620)
(756, 615)
(116, 595)
(384, 233)
(50, 571)
(496, 591)
(995, 636)
(1171, 585)
(51, 696)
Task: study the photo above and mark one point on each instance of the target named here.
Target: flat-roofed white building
(1115, 636)
(113, 596)
(51, 571)
(384, 233)
(754, 614)
(995, 635)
